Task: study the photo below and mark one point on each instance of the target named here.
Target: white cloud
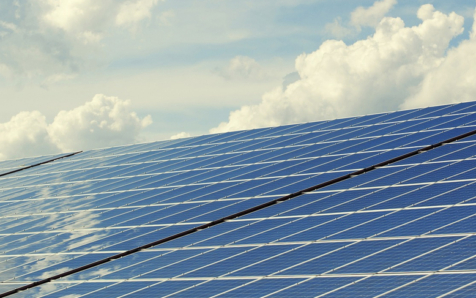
(132, 12)
(242, 67)
(26, 133)
(338, 30)
(180, 135)
(104, 121)
(166, 17)
(360, 17)
(84, 19)
(371, 16)
(47, 38)
(394, 67)
(453, 80)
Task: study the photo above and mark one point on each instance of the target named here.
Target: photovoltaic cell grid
(403, 229)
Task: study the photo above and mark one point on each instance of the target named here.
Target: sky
(83, 74)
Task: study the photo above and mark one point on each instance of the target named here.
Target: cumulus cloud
(361, 17)
(83, 18)
(396, 67)
(88, 19)
(21, 132)
(453, 80)
(337, 30)
(132, 12)
(104, 121)
(372, 15)
(242, 67)
(180, 135)
(50, 38)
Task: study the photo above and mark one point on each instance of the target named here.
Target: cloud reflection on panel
(397, 67)
(102, 122)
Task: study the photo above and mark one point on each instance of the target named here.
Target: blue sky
(189, 64)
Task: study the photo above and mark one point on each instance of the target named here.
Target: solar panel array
(404, 229)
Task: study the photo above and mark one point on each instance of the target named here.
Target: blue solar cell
(281, 232)
(305, 183)
(328, 229)
(288, 259)
(315, 287)
(381, 224)
(164, 288)
(439, 137)
(185, 265)
(373, 286)
(313, 126)
(317, 202)
(67, 289)
(434, 111)
(418, 139)
(58, 264)
(433, 286)
(268, 185)
(229, 172)
(441, 258)
(197, 192)
(449, 194)
(464, 225)
(432, 222)
(231, 208)
(300, 151)
(285, 206)
(402, 175)
(210, 233)
(134, 238)
(458, 154)
(377, 158)
(385, 117)
(268, 169)
(392, 256)
(144, 262)
(262, 287)
(425, 193)
(119, 289)
(427, 124)
(466, 291)
(364, 178)
(341, 257)
(458, 121)
(271, 155)
(349, 146)
(238, 190)
(247, 258)
(210, 288)
(209, 162)
(213, 211)
(336, 162)
(396, 128)
(468, 175)
(370, 198)
(469, 264)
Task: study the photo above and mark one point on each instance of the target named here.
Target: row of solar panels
(372, 231)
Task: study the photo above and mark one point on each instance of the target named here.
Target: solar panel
(376, 205)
